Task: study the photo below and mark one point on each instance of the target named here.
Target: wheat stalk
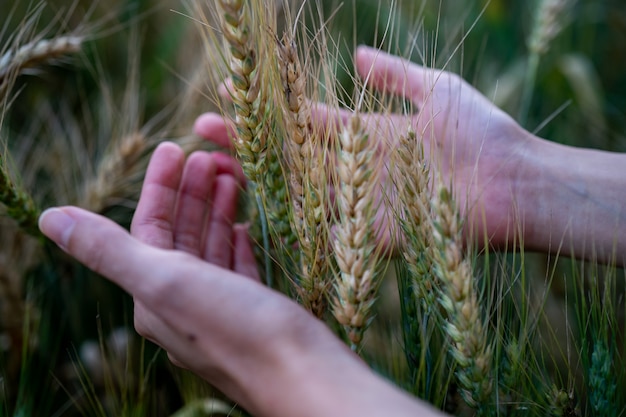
(470, 349)
(354, 242)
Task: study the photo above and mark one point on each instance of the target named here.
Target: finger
(244, 261)
(225, 89)
(226, 164)
(194, 198)
(213, 127)
(218, 241)
(103, 246)
(328, 120)
(154, 218)
(389, 73)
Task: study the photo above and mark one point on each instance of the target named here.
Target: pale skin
(192, 273)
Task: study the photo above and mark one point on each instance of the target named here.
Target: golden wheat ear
(470, 347)
(306, 181)
(247, 93)
(356, 249)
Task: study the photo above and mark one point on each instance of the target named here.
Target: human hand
(190, 206)
(468, 142)
(193, 276)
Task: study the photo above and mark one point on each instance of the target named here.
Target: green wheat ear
(19, 204)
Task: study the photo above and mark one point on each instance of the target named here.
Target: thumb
(395, 75)
(100, 244)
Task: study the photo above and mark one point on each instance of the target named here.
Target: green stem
(269, 279)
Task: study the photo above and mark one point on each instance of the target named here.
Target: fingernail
(57, 225)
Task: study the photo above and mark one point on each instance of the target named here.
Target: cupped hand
(192, 273)
(190, 206)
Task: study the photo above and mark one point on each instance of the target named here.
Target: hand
(468, 141)
(192, 273)
(198, 296)
(191, 206)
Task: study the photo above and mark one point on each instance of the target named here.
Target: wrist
(315, 374)
(571, 201)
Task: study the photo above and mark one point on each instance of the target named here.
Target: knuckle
(165, 285)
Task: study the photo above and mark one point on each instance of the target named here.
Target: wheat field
(87, 90)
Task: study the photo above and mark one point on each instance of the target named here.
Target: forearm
(328, 380)
(573, 201)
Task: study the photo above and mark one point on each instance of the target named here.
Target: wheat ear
(416, 222)
(19, 204)
(248, 95)
(602, 381)
(547, 25)
(306, 180)
(118, 175)
(38, 52)
(561, 402)
(470, 349)
(354, 243)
